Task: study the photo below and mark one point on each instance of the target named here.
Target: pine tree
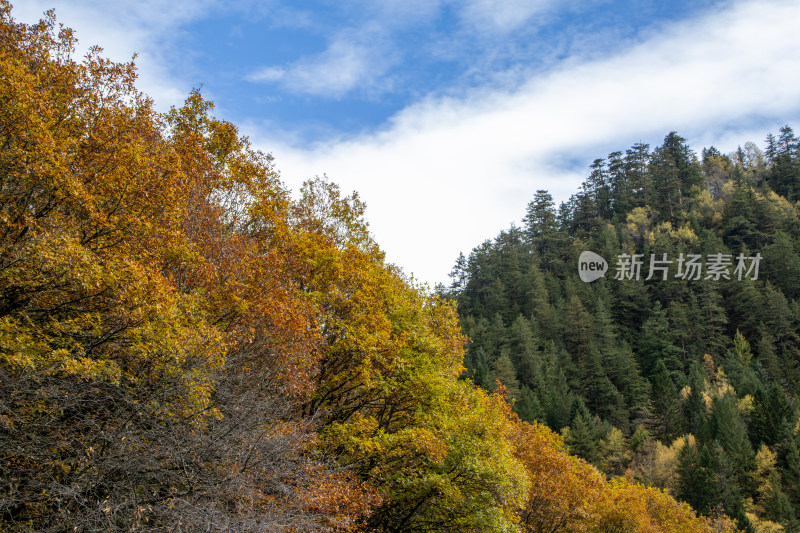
(557, 398)
(657, 343)
(540, 221)
(459, 275)
(710, 318)
(767, 355)
(542, 311)
(675, 172)
(695, 407)
(725, 490)
(789, 456)
(524, 352)
(614, 452)
(772, 412)
(601, 396)
(581, 438)
(637, 164)
(784, 168)
(504, 372)
(599, 188)
(528, 406)
(667, 419)
(741, 304)
(478, 368)
(604, 328)
(586, 216)
(782, 264)
(695, 482)
(777, 506)
(738, 364)
(580, 326)
(621, 193)
(627, 377)
(728, 428)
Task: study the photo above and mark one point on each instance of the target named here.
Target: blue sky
(447, 115)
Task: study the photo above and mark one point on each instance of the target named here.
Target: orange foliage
(568, 494)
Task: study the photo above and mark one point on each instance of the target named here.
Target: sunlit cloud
(344, 66)
(505, 15)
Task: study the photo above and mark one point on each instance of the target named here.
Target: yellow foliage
(764, 526)
(745, 405)
(567, 494)
(638, 222)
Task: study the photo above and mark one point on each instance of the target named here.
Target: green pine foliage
(625, 369)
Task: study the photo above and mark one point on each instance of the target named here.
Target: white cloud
(379, 35)
(446, 173)
(123, 27)
(505, 15)
(268, 74)
(345, 65)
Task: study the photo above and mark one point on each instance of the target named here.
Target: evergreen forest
(683, 378)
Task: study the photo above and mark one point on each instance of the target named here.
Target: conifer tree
(524, 352)
(729, 430)
(772, 413)
(695, 482)
(636, 164)
(777, 506)
(528, 406)
(667, 419)
(581, 438)
(695, 407)
(540, 220)
(503, 371)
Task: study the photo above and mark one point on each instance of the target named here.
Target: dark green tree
(695, 410)
(675, 172)
(541, 221)
(666, 408)
(695, 481)
(729, 430)
(581, 438)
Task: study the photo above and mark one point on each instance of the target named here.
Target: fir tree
(695, 407)
(695, 482)
(528, 406)
(667, 419)
(728, 428)
(581, 438)
(504, 372)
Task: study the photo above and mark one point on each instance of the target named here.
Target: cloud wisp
(345, 65)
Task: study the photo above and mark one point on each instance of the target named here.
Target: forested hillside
(683, 375)
(185, 346)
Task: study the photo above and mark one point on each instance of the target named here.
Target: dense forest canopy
(184, 346)
(682, 372)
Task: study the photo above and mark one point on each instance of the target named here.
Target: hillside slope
(679, 364)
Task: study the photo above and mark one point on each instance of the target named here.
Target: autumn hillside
(185, 347)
